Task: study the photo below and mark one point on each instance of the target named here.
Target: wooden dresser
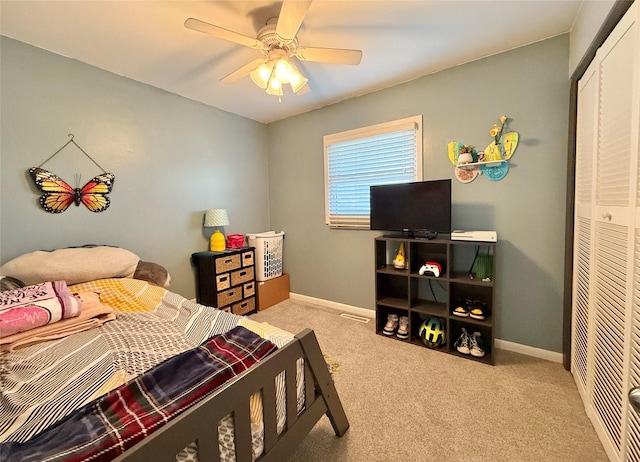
(226, 280)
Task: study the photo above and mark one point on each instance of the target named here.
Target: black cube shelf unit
(407, 293)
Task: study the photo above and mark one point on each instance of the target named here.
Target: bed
(226, 407)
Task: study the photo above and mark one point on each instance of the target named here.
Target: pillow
(153, 273)
(72, 265)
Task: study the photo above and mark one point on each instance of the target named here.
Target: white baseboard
(499, 343)
(548, 355)
(335, 305)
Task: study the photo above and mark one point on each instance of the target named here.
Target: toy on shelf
(431, 268)
(492, 162)
(399, 262)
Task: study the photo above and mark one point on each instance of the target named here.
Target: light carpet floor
(410, 403)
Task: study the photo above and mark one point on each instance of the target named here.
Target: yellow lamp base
(216, 244)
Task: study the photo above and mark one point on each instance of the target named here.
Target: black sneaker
(463, 344)
(478, 310)
(462, 309)
(476, 345)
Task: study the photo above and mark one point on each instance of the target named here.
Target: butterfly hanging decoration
(58, 195)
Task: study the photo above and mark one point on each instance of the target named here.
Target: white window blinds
(354, 160)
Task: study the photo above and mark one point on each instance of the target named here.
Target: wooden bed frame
(200, 423)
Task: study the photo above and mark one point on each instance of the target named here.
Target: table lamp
(216, 218)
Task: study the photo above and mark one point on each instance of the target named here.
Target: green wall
(173, 158)
(526, 208)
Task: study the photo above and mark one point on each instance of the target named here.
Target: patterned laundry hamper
(268, 246)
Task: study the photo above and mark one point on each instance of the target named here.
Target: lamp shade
(260, 76)
(216, 217)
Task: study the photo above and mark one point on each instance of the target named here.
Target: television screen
(423, 206)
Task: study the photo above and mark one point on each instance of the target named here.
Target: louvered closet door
(605, 313)
(584, 200)
(633, 418)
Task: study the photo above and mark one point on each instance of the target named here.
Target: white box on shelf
(480, 236)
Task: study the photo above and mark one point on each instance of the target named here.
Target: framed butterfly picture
(58, 195)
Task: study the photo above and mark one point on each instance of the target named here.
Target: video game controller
(431, 268)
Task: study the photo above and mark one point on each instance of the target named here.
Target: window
(356, 159)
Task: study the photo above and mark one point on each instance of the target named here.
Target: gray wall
(527, 207)
(173, 159)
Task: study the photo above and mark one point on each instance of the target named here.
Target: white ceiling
(146, 40)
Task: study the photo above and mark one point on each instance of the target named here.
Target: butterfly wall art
(58, 195)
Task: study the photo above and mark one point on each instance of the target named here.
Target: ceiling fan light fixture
(297, 81)
(260, 75)
(284, 71)
(274, 87)
(278, 43)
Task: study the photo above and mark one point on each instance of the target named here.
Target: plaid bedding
(105, 428)
(42, 384)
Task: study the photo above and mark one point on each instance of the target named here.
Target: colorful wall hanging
(492, 162)
(59, 195)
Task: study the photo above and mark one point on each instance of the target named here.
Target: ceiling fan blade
(291, 15)
(220, 32)
(329, 55)
(243, 71)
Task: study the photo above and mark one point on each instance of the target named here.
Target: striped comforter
(42, 384)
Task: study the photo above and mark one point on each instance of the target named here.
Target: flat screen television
(412, 208)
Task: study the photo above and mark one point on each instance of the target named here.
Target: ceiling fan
(278, 44)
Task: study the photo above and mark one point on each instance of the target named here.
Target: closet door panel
(633, 429)
(586, 140)
(614, 121)
(610, 293)
(581, 300)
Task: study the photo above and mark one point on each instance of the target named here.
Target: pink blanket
(34, 306)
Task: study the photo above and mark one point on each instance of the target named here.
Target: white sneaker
(392, 324)
(403, 329)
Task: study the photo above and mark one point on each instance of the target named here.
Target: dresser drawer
(223, 281)
(249, 289)
(230, 296)
(241, 276)
(228, 263)
(244, 307)
(247, 258)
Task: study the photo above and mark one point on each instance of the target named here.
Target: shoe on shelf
(403, 328)
(478, 310)
(463, 344)
(391, 325)
(476, 345)
(462, 309)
